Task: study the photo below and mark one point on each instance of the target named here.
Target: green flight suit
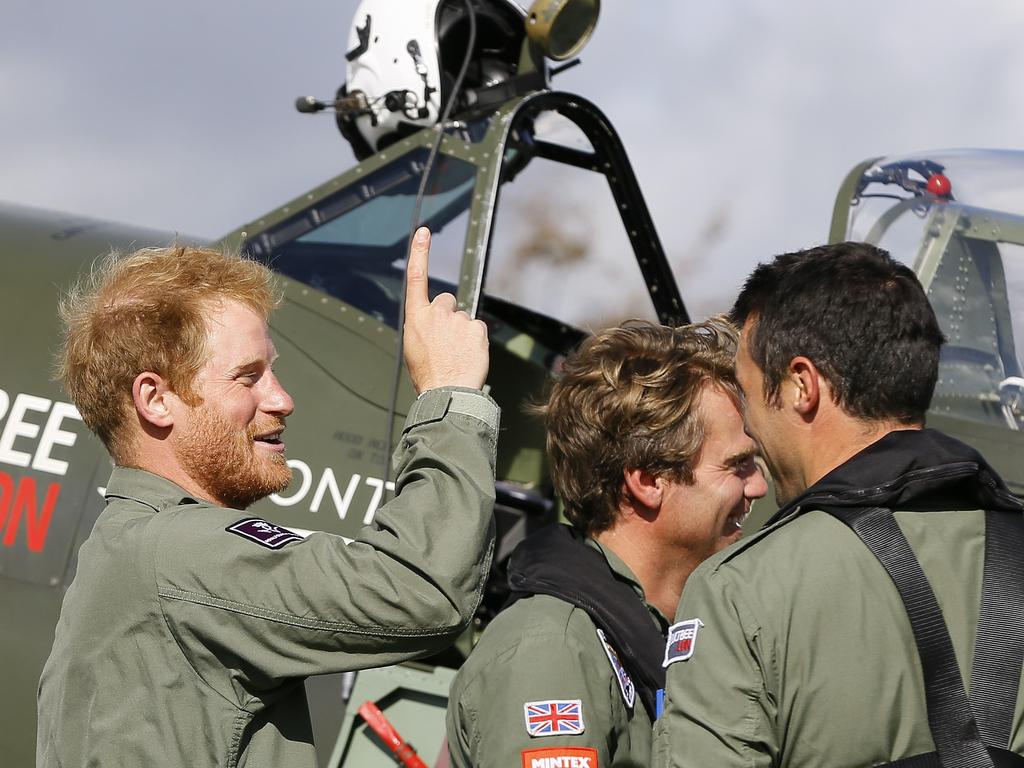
(183, 643)
(805, 656)
(543, 649)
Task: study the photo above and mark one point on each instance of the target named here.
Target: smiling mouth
(734, 523)
(271, 440)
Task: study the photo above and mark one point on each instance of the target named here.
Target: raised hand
(443, 347)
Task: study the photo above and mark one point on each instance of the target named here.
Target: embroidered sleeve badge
(554, 717)
(625, 681)
(682, 639)
(560, 757)
(263, 533)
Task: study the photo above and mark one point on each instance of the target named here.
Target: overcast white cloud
(741, 118)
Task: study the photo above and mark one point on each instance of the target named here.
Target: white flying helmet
(403, 58)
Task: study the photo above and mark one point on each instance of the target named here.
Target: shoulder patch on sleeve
(621, 675)
(560, 757)
(263, 533)
(682, 640)
(554, 717)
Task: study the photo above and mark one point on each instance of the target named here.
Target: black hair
(859, 315)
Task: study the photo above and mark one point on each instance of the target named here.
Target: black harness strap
(971, 732)
(555, 561)
(950, 720)
(1001, 758)
(999, 648)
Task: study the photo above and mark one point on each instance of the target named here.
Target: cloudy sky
(741, 117)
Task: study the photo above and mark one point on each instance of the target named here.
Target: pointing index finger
(416, 269)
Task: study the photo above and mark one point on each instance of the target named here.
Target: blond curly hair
(628, 398)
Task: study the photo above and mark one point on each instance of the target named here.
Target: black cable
(414, 224)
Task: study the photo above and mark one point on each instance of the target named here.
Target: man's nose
(277, 400)
(756, 485)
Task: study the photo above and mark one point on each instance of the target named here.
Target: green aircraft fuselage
(338, 250)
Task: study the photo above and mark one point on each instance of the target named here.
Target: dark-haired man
(802, 649)
(648, 453)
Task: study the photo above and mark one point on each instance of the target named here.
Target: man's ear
(805, 391)
(151, 396)
(643, 487)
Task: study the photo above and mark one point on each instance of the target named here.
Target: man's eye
(745, 466)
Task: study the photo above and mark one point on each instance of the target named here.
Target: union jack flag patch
(554, 717)
(682, 639)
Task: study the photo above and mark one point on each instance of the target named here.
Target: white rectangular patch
(682, 640)
(625, 681)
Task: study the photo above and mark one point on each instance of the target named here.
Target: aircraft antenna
(414, 225)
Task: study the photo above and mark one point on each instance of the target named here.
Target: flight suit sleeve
(719, 702)
(250, 610)
(548, 673)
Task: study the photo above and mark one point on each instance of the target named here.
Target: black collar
(911, 469)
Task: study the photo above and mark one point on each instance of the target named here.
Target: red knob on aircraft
(939, 185)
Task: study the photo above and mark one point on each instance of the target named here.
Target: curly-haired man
(649, 457)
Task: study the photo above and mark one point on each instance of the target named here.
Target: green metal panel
(413, 698)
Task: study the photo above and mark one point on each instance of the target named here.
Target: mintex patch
(263, 533)
(560, 757)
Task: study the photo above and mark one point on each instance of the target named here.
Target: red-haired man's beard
(229, 464)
